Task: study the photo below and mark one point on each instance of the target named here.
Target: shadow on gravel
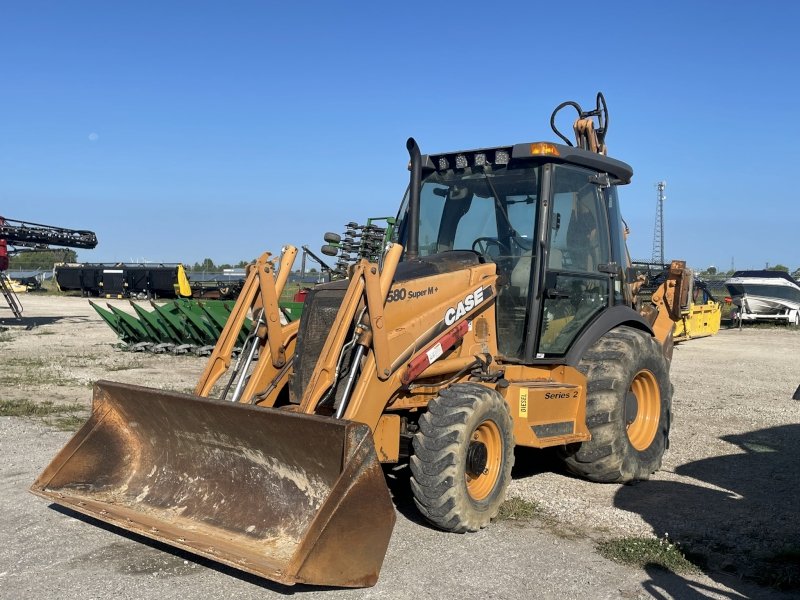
(741, 515)
(665, 585)
(31, 322)
(531, 461)
(397, 478)
(528, 462)
(134, 560)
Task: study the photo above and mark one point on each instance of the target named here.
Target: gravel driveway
(729, 488)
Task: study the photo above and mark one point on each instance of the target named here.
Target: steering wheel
(483, 244)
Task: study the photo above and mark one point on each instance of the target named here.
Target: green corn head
(180, 326)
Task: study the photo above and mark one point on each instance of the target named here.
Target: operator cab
(530, 209)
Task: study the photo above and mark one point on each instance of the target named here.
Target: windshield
(489, 211)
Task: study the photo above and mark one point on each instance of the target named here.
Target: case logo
(472, 300)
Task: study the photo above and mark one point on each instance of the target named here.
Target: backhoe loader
(500, 314)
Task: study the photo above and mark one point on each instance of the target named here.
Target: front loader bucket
(290, 497)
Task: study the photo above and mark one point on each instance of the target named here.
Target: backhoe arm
(665, 305)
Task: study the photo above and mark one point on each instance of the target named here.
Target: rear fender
(602, 324)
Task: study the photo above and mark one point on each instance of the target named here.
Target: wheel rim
(643, 427)
(480, 485)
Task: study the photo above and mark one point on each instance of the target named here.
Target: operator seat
(521, 274)
(582, 236)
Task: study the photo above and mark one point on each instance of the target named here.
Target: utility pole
(658, 233)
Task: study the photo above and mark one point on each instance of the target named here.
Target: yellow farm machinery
(499, 314)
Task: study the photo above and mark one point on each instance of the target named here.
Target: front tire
(463, 454)
(628, 408)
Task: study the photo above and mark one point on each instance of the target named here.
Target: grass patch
(71, 422)
(215, 391)
(64, 417)
(5, 337)
(26, 408)
(517, 509)
(31, 377)
(781, 571)
(134, 365)
(23, 362)
(641, 552)
(33, 372)
(45, 332)
(51, 288)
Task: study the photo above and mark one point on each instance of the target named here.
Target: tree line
(712, 271)
(31, 261)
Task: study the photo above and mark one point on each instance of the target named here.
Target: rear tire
(463, 454)
(628, 408)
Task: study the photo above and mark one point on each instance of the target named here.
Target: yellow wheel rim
(642, 430)
(480, 485)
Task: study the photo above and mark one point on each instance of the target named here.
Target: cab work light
(544, 148)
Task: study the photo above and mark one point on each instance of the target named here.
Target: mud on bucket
(290, 497)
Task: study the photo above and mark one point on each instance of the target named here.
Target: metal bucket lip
(103, 384)
(296, 560)
(352, 428)
(203, 545)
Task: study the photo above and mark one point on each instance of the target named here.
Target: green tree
(779, 267)
(30, 261)
(206, 265)
(712, 270)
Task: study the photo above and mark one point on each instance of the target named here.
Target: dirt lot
(728, 491)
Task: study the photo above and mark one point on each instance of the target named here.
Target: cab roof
(503, 155)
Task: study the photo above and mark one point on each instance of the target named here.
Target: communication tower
(658, 233)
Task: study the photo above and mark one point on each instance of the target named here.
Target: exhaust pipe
(412, 247)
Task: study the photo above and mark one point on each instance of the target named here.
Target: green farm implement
(194, 325)
(179, 326)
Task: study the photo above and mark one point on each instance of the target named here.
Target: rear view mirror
(632, 274)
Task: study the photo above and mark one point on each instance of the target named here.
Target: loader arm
(260, 296)
(323, 376)
(394, 347)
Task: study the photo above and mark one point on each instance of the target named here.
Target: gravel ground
(729, 487)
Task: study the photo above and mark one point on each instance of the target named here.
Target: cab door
(577, 280)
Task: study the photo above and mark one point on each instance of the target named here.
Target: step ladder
(10, 296)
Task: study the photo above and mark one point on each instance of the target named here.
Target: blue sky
(227, 129)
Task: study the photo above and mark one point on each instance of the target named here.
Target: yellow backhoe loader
(501, 314)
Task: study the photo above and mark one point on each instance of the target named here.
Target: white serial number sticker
(434, 353)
